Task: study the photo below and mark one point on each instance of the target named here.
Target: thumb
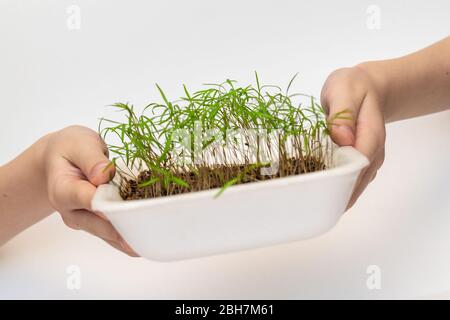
(89, 154)
(342, 115)
(102, 172)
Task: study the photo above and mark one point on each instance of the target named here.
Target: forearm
(413, 85)
(23, 192)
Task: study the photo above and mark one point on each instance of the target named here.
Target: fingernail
(98, 170)
(100, 167)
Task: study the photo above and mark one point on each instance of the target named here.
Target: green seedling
(216, 137)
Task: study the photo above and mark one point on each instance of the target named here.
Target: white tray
(245, 216)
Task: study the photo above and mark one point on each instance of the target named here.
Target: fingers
(342, 103)
(73, 194)
(89, 222)
(120, 248)
(68, 189)
(355, 119)
(370, 129)
(366, 177)
(89, 154)
(370, 139)
(342, 116)
(77, 162)
(342, 135)
(73, 199)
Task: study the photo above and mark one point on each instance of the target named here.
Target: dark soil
(210, 177)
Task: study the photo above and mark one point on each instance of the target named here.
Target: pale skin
(61, 171)
(378, 92)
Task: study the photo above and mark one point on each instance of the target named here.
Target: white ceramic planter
(243, 217)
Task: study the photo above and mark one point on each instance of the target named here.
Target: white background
(52, 76)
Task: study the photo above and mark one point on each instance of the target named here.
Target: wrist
(39, 161)
(24, 191)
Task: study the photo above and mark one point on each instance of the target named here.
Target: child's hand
(352, 89)
(383, 91)
(75, 163)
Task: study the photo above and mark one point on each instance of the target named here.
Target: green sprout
(217, 137)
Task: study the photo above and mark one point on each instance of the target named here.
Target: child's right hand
(352, 89)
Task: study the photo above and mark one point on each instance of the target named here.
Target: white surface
(246, 216)
(51, 77)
